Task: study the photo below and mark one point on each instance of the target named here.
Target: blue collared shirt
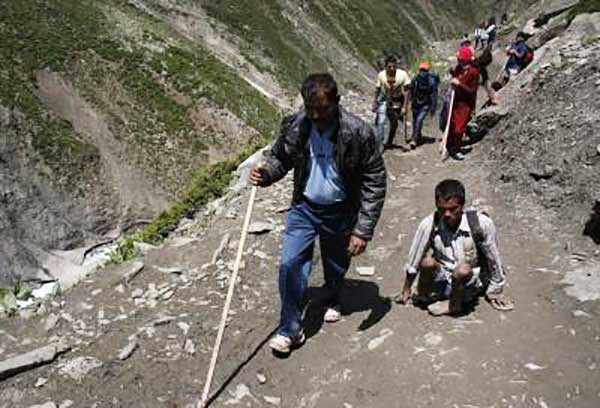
(324, 185)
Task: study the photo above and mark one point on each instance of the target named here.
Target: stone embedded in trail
(219, 251)
(46, 405)
(365, 270)
(32, 359)
(533, 367)
(581, 313)
(133, 270)
(262, 379)
(137, 293)
(378, 341)
(175, 270)
(184, 327)
(51, 322)
(261, 227)
(79, 367)
(189, 347)
(40, 382)
(241, 391)
(128, 350)
(261, 255)
(272, 400)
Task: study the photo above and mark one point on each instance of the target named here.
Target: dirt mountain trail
(143, 338)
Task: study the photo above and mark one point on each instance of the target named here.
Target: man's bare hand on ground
(356, 246)
(500, 302)
(404, 297)
(256, 176)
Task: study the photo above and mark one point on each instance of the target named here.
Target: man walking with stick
(339, 190)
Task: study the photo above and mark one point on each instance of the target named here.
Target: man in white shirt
(391, 100)
(456, 256)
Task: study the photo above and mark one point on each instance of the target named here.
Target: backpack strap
(436, 221)
(475, 227)
(478, 238)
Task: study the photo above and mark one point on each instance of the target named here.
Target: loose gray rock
(365, 270)
(219, 251)
(32, 359)
(79, 367)
(261, 227)
(262, 379)
(189, 347)
(272, 400)
(46, 405)
(40, 382)
(51, 322)
(128, 350)
(133, 270)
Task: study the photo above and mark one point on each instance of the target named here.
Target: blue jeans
(381, 117)
(305, 222)
(393, 115)
(419, 115)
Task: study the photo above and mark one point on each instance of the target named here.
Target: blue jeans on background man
(419, 115)
(394, 116)
(305, 222)
(381, 117)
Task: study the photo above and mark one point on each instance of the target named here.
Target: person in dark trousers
(423, 93)
(455, 255)
(517, 52)
(482, 62)
(338, 195)
(491, 31)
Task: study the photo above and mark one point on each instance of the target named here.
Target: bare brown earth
(546, 353)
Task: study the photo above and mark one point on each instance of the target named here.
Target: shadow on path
(357, 296)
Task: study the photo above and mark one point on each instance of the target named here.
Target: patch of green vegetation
(583, 7)
(209, 183)
(9, 297)
(266, 29)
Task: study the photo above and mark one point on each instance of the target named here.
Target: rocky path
(140, 334)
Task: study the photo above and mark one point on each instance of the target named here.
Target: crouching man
(455, 255)
(339, 189)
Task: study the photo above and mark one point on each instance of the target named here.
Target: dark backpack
(528, 56)
(422, 87)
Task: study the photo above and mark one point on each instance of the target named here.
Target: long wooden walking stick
(236, 267)
(443, 148)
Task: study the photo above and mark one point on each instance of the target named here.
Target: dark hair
(522, 35)
(391, 59)
(448, 189)
(317, 85)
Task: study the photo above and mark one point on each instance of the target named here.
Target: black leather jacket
(358, 161)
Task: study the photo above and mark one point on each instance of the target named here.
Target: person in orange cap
(465, 81)
(423, 96)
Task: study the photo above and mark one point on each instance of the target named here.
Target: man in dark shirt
(339, 189)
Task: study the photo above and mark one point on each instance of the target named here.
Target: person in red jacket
(465, 81)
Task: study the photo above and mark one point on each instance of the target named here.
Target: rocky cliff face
(110, 107)
(544, 144)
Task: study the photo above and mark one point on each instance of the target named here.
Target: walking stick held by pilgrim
(236, 267)
(443, 147)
